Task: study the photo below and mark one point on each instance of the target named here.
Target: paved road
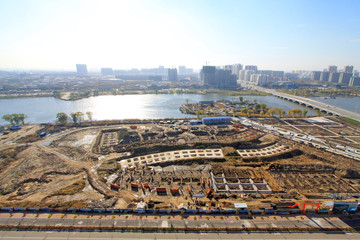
(260, 222)
(315, 104)
(97, 221)
(53, 235)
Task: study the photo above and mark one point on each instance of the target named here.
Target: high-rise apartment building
(251, 67)
(315, 75)
(354, 81)
(348, 69)
(107, 71)
(236, 68)
(334, 77)
(227, 67)
(242, 75)
(324, 76)
(345, 78)
(81, 69)
(259, 79)
(217, 78)
(332, 69)
(172, 74)
(225, 79)
(207, 76)
(182, 70)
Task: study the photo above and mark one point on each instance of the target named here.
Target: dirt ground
(65, 169)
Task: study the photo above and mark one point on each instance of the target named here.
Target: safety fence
(164, 211)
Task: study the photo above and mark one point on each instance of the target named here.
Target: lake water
(348, 103)
(148, 106)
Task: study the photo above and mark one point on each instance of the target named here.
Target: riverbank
(30, 95)
(74, 96)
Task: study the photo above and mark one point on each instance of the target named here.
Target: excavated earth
(67, 168)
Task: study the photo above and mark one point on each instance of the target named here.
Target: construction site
(178, 165)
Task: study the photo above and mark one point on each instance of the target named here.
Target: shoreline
(67, 95)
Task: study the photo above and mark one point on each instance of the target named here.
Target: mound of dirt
(33, 164)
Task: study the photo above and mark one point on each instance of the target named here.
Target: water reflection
(40, 110)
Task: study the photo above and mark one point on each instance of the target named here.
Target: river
(349, 103)
(148, 106)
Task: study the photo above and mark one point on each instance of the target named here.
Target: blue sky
(283, 34)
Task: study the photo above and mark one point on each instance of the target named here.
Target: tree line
(15, 118)
(75, 117)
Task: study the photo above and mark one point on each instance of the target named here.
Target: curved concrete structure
(171, 156)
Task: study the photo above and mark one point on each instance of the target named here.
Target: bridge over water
(316, 105)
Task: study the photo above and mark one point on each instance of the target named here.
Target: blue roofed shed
(216, 120)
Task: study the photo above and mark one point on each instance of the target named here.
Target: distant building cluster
(252, 75)
(226, 77)
(161, 70)
(154, 74)
(332, 75)
(213, 77)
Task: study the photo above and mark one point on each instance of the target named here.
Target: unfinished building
(172, 156)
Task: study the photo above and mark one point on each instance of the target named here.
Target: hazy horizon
(276, 35)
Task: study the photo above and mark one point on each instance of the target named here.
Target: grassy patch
(353, 121)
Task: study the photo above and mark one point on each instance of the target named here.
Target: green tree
(244, 110)
(62, 118)
(257, 106)
(263, 106)
(90, 116)
(80, 117)
(234, 110)
(241, 99)
(15, 118)
(8, 118)
(56, 94)
(21, 117)
(255, 100)
(187, 101)
(304, 112)
(249, 112)
(74, 117)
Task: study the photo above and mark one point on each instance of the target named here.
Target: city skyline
(277, 35)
